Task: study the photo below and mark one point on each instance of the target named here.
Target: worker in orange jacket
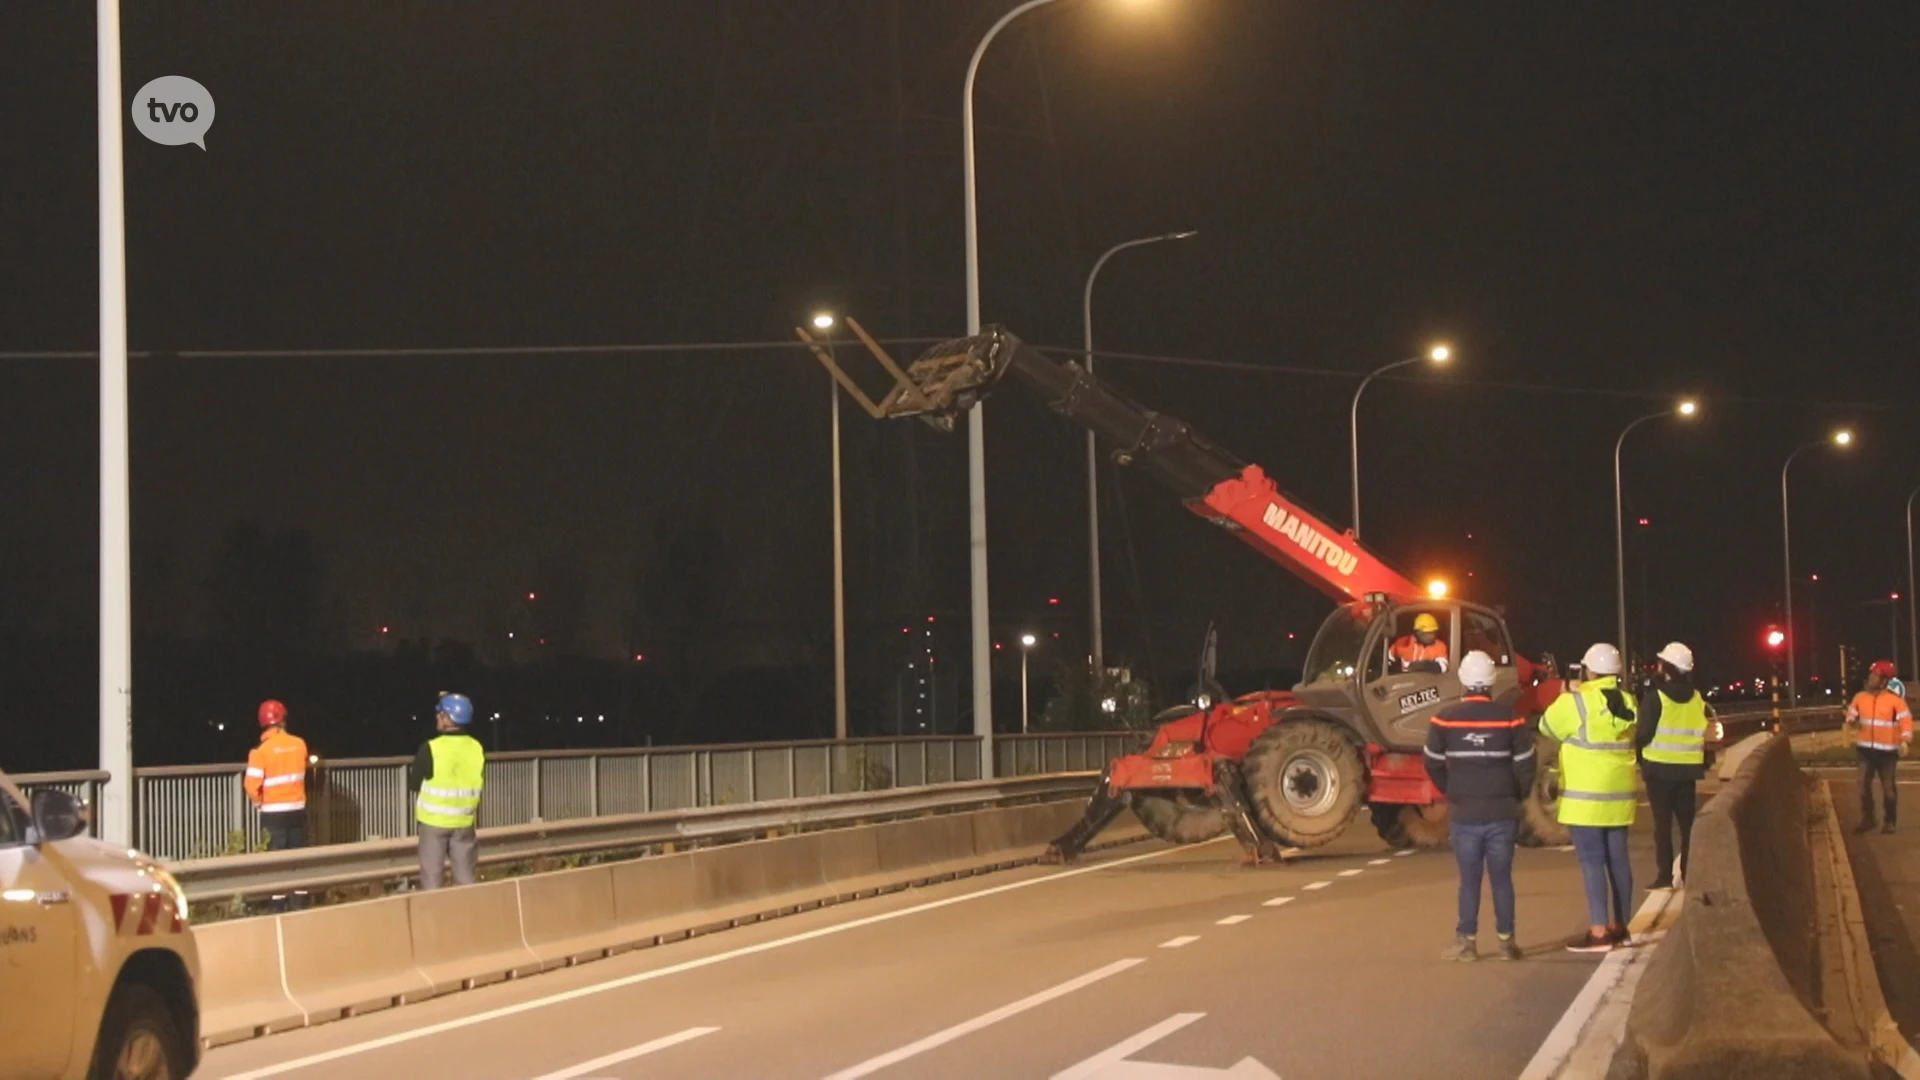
(1885, 730)
(277, 780)
(1421, 650)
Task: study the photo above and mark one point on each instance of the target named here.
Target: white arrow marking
(1112, 1063)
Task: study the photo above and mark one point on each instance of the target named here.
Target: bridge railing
(201, 811)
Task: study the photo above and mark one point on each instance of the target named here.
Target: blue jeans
(1485, 845)
(1602, 850)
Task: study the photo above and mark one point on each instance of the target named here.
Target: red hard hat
(1883, 667)
(272, 713)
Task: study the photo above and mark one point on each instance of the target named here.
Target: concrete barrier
(468, 937)
(352, 959)
(568, 916)
(653, 899)
(1731, 991)
(279, 972)
(243, 994)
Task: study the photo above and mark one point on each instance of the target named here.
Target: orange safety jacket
(1408, 651)
(1884, 718)
(277, 772)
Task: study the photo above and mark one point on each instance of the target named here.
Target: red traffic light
(1776, 637)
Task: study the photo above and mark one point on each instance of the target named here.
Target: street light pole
(1439, 354)
(980, 608)
(839, 575)
(116, 561)
(1913, 601)
(1840, 438)
(1097, 639)
(1026, 646)
(1684, 408)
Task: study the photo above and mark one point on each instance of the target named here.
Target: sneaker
(1591, 943)
(1463, 950)
(1620, 936)
(1510, 949)
(1661, 885)
(1887, 828)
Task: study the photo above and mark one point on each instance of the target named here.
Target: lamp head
(1688, 407)
(823, 320)
(1440, 354)
(1843, 437)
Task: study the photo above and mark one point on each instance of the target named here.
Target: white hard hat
(1601, 659)
(1476, 670)
(1678, 655)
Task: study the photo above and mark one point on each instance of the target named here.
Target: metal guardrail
(398, 859)
(201, 811)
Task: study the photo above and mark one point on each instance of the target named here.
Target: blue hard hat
(456, 708)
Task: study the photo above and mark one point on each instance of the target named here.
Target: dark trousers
(1884, 764)
(1604, 869)
(1673, 802)
(1488, 846)
(286, 829)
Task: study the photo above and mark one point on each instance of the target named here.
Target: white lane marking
(1350, 873)
(1233, 920)
(968, 1027)
(1278, 901)
(1316, 885)
(1403, 853)
(1112, 1063)
(642, 1050)
(688, 965)
(1175, 943)
(1378, 862)
(1565, 1036)
(1564, 847)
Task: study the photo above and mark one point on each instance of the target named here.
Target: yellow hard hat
(1426, 624)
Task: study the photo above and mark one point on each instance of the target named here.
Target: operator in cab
(1421, 650)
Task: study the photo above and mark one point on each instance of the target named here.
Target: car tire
(1178, 817)
(139, 1038)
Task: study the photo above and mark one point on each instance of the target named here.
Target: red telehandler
(1277, 768)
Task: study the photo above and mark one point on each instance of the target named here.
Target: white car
(97, 964)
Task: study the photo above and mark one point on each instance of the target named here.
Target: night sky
(1601, 206)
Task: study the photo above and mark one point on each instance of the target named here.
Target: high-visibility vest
(1408, 651)
(1596, 757)
(1884, 718)
(277, 772)
(1681, 738)
(450, 798)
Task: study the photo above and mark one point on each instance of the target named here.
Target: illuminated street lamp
(824, 322)
(1437, 354)
(982, 650)
(1685, 409)
(1026, 646)
(1841, 438)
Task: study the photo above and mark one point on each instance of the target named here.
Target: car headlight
(174, 893)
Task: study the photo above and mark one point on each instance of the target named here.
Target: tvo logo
(174, 110)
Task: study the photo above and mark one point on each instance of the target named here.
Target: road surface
(1147, 956)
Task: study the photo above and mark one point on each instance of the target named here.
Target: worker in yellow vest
(1594, 725)
(1673, 755)
(449, 773)
(1884, 723)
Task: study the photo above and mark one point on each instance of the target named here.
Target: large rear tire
(1540, 812)
(1178, 817)
(1307, 781)
(1404, 826)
